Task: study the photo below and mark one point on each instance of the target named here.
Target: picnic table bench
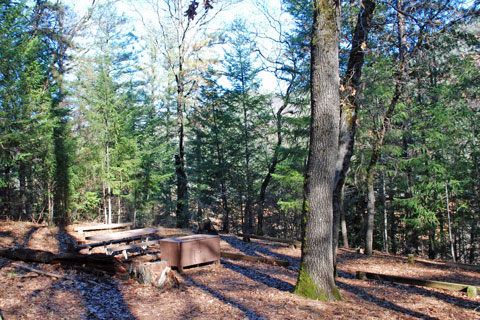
(107, 240)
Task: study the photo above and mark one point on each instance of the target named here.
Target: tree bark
(316, 278)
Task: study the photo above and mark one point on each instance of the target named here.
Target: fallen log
(470, 289)
(95, 261)
(471, 267)
(294, 243)
(255, 259)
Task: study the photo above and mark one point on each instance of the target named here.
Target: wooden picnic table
(107, 240)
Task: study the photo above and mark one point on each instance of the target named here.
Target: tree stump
(411, 259)
(206, 227)
(156, 273)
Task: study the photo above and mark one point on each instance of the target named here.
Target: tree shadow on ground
(259, 277)
(101, 301)
(457, 301)
(254, 248)
(363, 294)
(249, 314)
(442, 265)
(27, 238)
(460, 302)
(17, 243)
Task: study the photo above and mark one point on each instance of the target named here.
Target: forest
(158, 112)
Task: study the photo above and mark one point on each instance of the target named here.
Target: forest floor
(235, 289)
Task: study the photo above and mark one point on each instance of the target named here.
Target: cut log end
(156, 273)
(472, 292)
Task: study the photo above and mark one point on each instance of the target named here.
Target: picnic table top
(123, 234)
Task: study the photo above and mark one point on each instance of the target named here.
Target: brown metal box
(190, 250)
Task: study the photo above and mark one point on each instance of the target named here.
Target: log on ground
(417, 282)
(294, 243)
(255, 259)
(95, 261)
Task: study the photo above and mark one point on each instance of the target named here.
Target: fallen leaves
(233, 290)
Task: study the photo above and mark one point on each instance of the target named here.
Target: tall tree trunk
(316, 276)
(183, 217)
(273, 164)
(348, 118)
(381, 132)
(476, 170)
(222, 178)
(248, 197)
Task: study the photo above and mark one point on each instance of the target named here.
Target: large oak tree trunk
(315, 278)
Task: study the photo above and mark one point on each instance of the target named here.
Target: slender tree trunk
(452, 250)
(370, 206)
(23, 189)
(343, 222)
(348, 118)
(109, 188)
(316, 276)
(476, 170)
(393, 228)
(135, 208)
(119, 212)
(105, 212)
(248, 197)
(385, 214)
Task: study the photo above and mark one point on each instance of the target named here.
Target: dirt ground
(235, 289)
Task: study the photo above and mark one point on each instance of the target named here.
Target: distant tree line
(101, 121)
